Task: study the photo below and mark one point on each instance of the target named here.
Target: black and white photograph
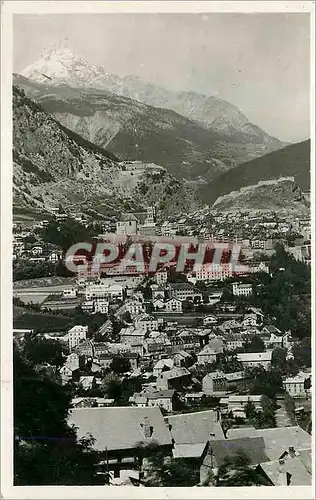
(157, 286)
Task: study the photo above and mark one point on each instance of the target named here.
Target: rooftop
(119, 428)
(195, 428)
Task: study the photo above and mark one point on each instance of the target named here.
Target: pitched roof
(175, 372)
(161, 394)
(119, 428)
(207, 350)
(278, 473)
(255, 356)
(193, 428)
(253, 447)
(277, 440)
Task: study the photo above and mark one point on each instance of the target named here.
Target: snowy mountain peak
(58, 65)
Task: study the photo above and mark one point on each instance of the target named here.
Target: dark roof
(254, 448)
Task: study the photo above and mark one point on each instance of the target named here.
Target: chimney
(147, 428)
(292, 451)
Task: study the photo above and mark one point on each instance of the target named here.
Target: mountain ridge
(292, 160)
(53, 165)
(134, 130)
(58, 65)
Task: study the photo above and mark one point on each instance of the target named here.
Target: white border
(113, 6)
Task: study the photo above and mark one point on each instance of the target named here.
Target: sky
(258, 62)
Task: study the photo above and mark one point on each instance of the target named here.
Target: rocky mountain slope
(134, 130)
(293, 161)
(282, 195)
(58, 65)
(53, 165)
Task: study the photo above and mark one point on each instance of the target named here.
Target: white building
(76, 335)
(242, 289)
(295, 385)
(146, 322)
(173, 305)
(213, 271)
(101, 306)
(207, 355)
(161, 277)
(70, 293)
(255, 359)
(127, 225)
(105, 291)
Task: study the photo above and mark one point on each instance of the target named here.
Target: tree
(120, 365)
(235, 470)
(279, 357)
(46, 449)
(266, 382)
(40, 350)
(255, 344)
(302, 352)
(250, 409)
(167, 471)
(112, 386)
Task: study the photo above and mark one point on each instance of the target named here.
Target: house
(176, 378)
(295, 386)
(107, 291)
(250, 319)
(158, 304)
(193, 398)
(132, 335)
(258, 313)
(37, 250)
(105, 360)
(163, 399)
(207, 355)
(213, 383)
(133, 358)
(88, 306)
(182, 359)
(286, 472)
(161, 365)
(173, 305)
(158, 292)
(72, 361)
(118, 432)
(183, 291)
(270, 329)
(190, 432)
(86, 348)
(87, 382)
(161, 277)
(234, 341)
(255, 359)
(128, 224)
(210, 320)
(242, 289)
(216, 450)
(146, 322)
(101, 306)
(66, 374)
(70, 293)
(134, 306)
(279, 441)
(76, 335)
(237, 403)
(237, 380)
